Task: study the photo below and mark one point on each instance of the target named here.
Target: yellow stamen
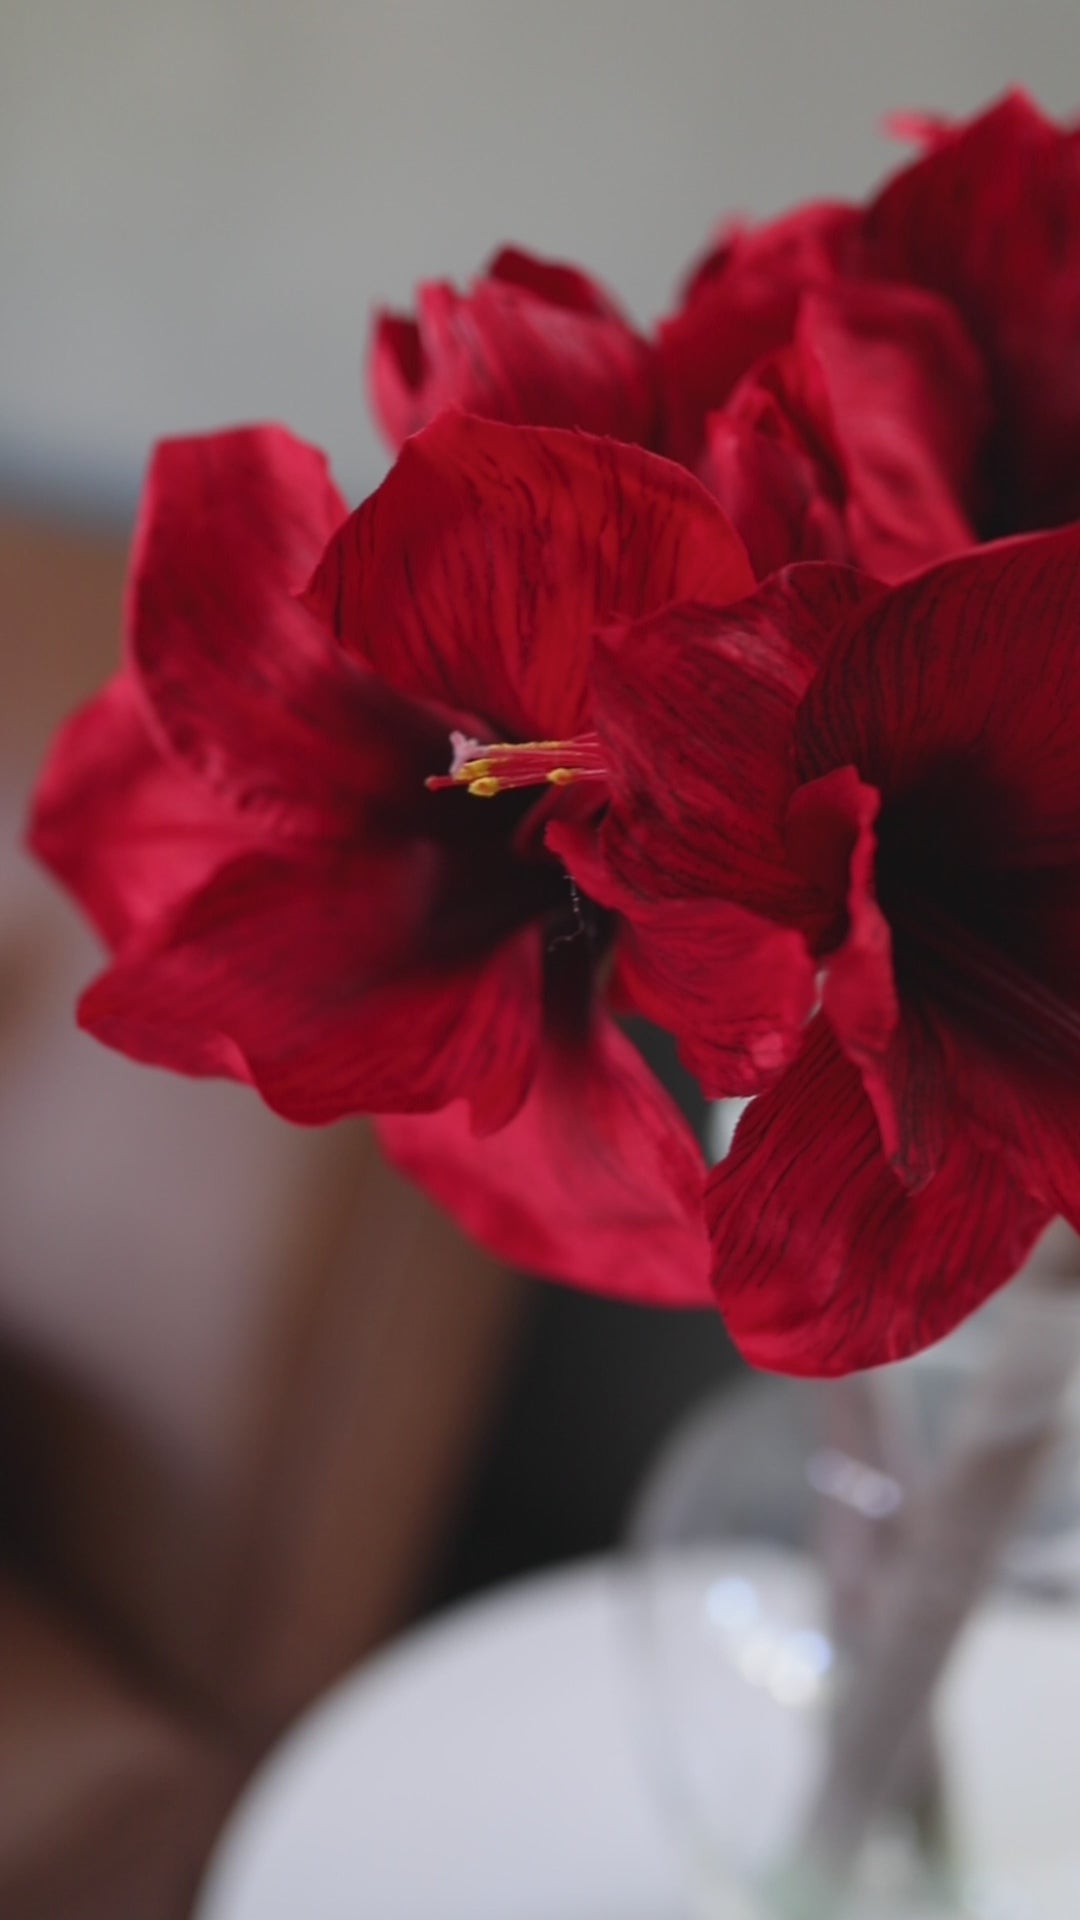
(505, 765)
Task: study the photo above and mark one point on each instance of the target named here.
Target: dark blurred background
(259, 1405)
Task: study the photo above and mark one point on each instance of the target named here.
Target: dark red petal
(958, 694)
(859, 440)
(125, 827)
(1020, 1092)
(696, 708)
(736, 991)
(524, 359)
(989, 216)
(555, 282)
(598, 1180)
(397, 375)
(823, 1261)
(772, 489)
(478, 571)
(240, 681)
(533, 343)
(830, 835)
(991, 971)
(831, 838)
(304, 971)
(914, 1092)
(907, 408)
(740, 304)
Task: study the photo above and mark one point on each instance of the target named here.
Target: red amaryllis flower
(248, 814)
(531, 342)
(896, 774)
(852, 408)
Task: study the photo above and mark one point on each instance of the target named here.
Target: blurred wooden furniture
(243, 1371)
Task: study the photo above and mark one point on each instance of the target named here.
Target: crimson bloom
(296, 891)
(894, 772)
(896, 379)
(532, 342)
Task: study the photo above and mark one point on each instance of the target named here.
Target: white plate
(485, 1768)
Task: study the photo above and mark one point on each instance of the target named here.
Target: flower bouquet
(727, 675)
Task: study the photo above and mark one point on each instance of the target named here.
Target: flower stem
(956, 1532)
(871, 1432)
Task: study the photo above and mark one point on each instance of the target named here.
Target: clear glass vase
(855, 1618)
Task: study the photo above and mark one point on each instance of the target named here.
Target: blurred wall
(201, 200)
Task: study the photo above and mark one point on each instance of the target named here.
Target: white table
(486, 1767)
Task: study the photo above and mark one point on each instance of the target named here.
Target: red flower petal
(241, 682)
(740, 304)
(478, 571)
(872, 420)
(771, 486)
(127, 829)
(736, 991)
(959, 693)
(988, 216)
(697, 708)
(554, 281)
(533, 342)
(597, 1181)
(1007, 1045)
(830, 835)
(304, 969)
(908, 414)
(824, 1262)
(914, 1097)
(397, 375)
